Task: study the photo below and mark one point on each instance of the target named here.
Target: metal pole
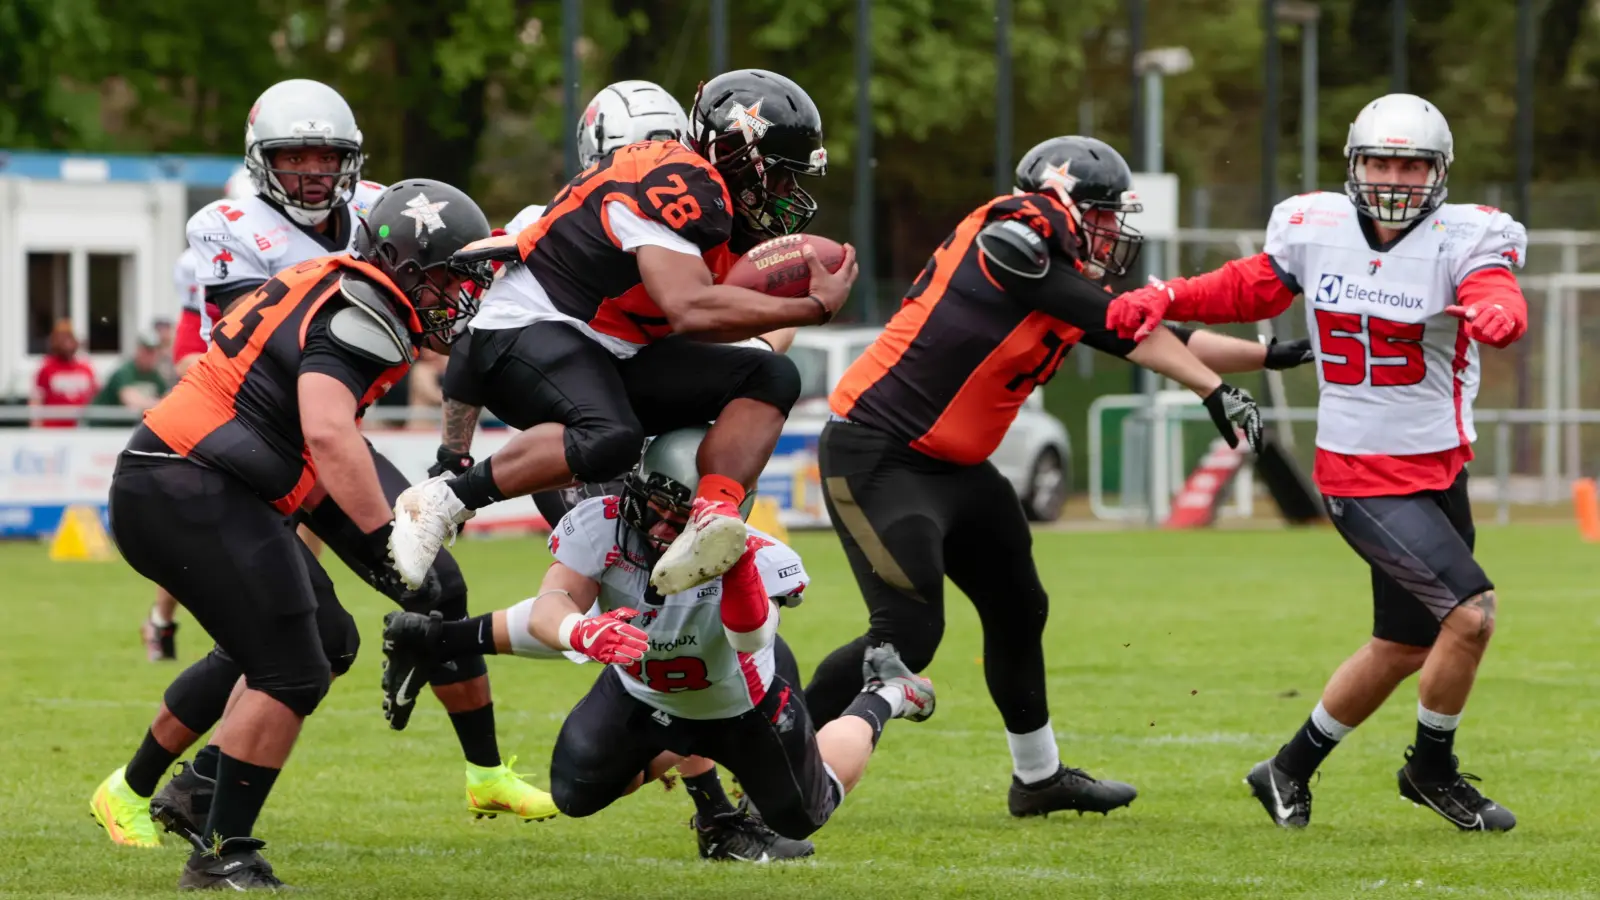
(719, 36)
(863, 225)
(1308, 107)
(571, 29)
(1152, 120)
(1269, 111)
(1135, 47)
(1003, 162)
(1524, 110)
(1397, 46)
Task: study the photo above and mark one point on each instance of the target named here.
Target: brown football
(777, 267)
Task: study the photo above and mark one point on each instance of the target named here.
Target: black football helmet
(1087, 174)
(760, 130)
(410, 233)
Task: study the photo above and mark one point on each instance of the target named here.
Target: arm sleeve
(583, 538)
(1243, 290)
(688, 200)
(324, 355)
(1065, 294)
(1496, 286)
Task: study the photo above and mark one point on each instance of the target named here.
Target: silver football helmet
(1398, 125)
(626, 113)
(302, 113)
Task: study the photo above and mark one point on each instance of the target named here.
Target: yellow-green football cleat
(123, 814)
(491, 791)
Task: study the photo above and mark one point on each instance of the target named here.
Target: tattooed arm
(455, 443)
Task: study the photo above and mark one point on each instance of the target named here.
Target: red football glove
(607, 638)
(1489, 323)
(1139, 311)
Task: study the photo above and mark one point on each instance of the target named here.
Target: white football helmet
(302, 113)
(1398, 125)
(240, 185)
(626, 113)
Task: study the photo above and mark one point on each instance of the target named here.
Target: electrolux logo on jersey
(1332, 289)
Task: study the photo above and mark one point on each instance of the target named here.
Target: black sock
(149, 761)
(242, 790)
(872, 709)
(709, 798)
(205, 762)
(475, 487)
(1300, 758)
(467, 637)
(1435, 749)
(475, 730)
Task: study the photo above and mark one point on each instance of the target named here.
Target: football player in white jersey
(303, 153)
(698, 672)
(1400, 290)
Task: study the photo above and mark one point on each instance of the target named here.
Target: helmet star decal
(426, 214)
(748, 120)
(1058, 175)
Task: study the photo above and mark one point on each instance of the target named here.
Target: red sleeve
(186, 338)
(745, 606)
(1494, 285)
(1244, 290)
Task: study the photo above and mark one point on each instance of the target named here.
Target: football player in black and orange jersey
(202, 497)
(609, 331)
(904, 458)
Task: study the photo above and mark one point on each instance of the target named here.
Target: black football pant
(610, 737)
(199, 694)
(906, 521)
(551, 372)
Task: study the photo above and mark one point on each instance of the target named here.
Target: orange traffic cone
(1586, 506)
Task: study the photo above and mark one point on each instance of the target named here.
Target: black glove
(1289, 354)
(449, 462)
(1231, 408)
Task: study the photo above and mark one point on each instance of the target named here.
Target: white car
(1035, 456)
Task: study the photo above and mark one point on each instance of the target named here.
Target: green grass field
(1176, 662)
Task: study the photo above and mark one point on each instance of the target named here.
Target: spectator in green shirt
(135, 385)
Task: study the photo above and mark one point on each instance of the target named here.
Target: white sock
(895, 697)
(1437, 721)
(522, 643)
(1328, 725)
(157, 619)
(1033, 755)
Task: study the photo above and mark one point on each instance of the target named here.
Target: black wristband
(827, 314)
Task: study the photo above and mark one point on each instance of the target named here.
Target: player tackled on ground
(202, 499)
(1400, 288)
(904, 459)
(702, 671)
(608, 331)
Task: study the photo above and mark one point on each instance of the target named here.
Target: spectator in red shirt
(63, 379)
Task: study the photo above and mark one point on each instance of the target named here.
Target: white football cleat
(709, 545)
(426, 516)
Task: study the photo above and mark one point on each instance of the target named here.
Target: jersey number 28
(670, 676)
(1395, 359)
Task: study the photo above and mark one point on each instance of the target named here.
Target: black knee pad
(773, 379)
(341, 639)
(197, 697)
(301, 688)
(601, 450)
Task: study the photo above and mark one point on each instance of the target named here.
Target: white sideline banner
(45, 470)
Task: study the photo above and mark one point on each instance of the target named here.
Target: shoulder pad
(1015, 247)
(367, 325)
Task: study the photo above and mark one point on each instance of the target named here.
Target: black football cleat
(741, 835)
(183, 804)
(1286, 800)
(408, 640)
(1450, 795)
(1069, 789)
(235, 864)
(160, 641)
